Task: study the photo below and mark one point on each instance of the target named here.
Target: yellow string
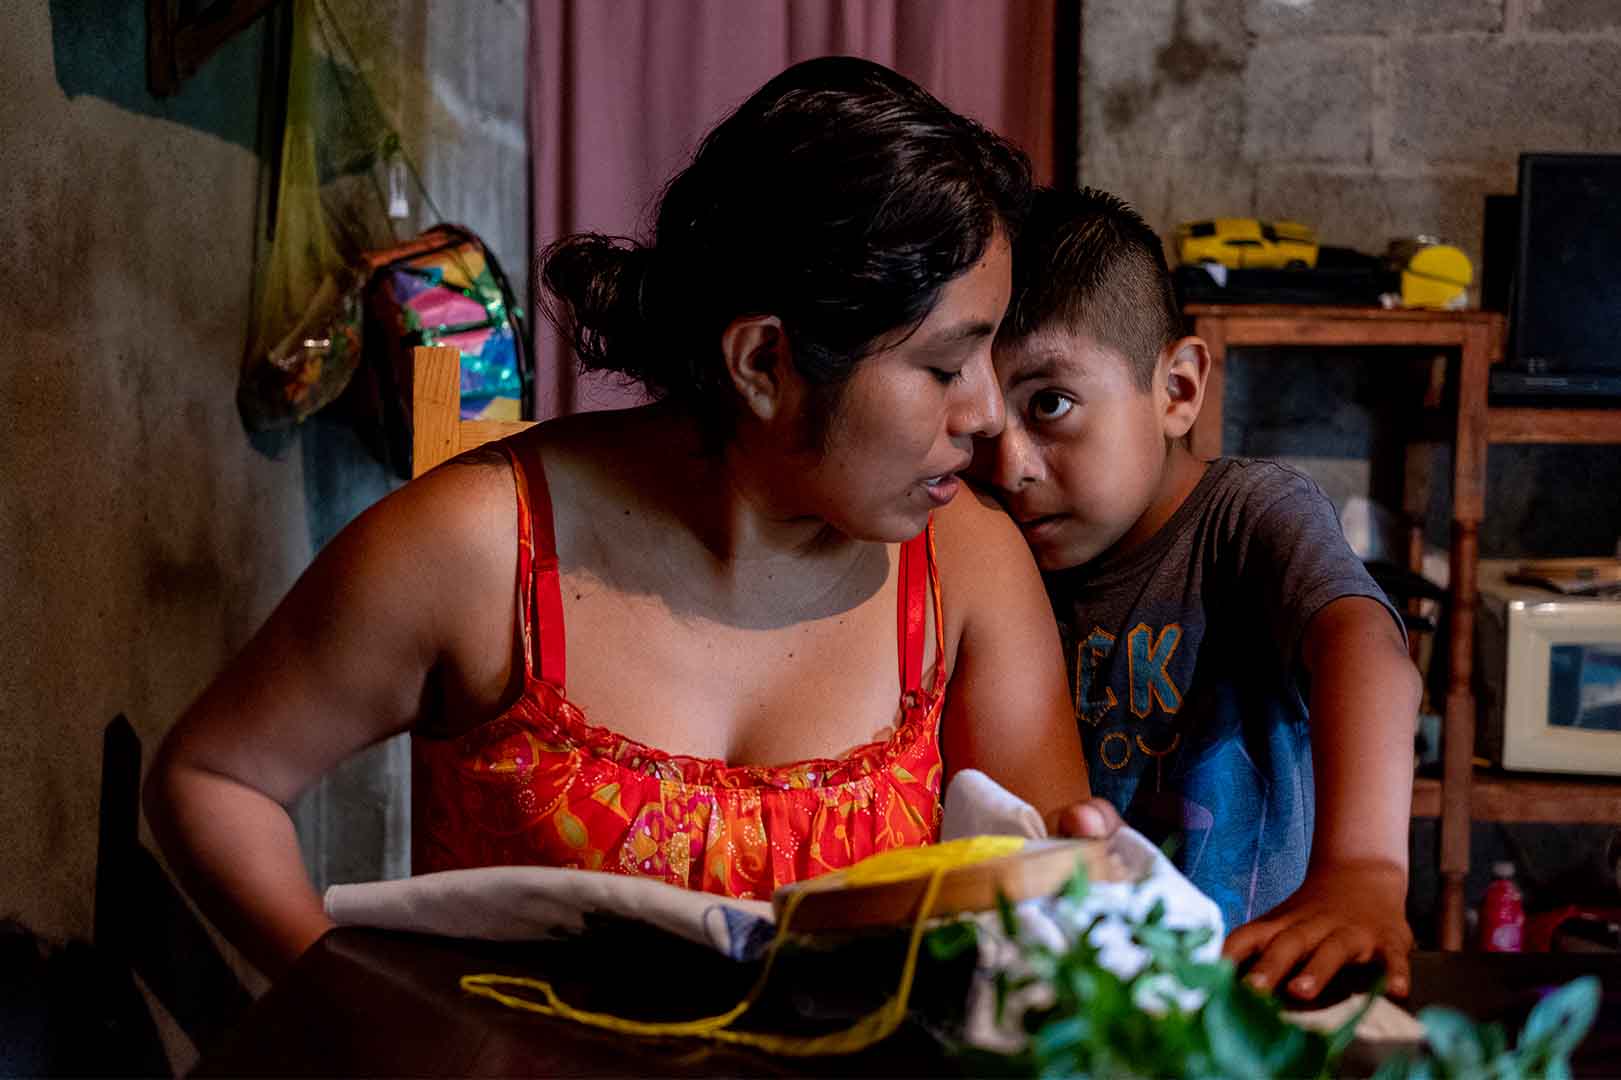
(902, 864)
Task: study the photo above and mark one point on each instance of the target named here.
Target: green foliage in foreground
(1096, 1025)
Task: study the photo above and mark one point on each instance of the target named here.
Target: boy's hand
(1341, 914)
(1094, 819)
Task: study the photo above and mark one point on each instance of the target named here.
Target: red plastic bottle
(1502, 913)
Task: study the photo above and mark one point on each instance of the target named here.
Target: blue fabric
(1224, 775)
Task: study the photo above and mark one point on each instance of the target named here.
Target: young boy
(1238, 678)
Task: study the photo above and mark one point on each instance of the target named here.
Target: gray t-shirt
(1186, 673)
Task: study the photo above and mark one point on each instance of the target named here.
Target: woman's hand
(1341, 914)
(1094, 819)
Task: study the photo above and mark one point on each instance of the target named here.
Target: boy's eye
(945, 377)
(1049, 405)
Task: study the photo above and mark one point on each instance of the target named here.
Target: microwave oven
(1548, 670)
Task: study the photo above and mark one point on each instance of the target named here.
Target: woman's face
(906, 421)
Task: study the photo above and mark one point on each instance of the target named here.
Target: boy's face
(1083, 455)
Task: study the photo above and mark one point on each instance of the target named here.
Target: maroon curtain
(620, 91)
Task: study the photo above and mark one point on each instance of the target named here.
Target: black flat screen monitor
(1567, 289)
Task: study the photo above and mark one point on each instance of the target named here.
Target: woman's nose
(982, 414)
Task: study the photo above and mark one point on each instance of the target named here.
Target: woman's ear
(756, 352)
(1184, 366)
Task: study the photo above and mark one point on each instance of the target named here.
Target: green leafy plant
(1095, 1023)
(1461, 1048)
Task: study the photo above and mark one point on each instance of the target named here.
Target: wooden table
(371, 1003)
(1478, 338)
(368, 1002)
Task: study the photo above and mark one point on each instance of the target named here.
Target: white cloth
(521, 903)
(982, 806)
(1150, 878)
(1386, 1025)
(976, 805)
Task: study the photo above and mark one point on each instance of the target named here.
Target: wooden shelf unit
(1540, 800)
(1461, 795)
(1516, 425)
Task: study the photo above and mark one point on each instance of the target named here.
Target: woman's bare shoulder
(464, 509)
(434, 557)
(464, 513)
(974, 532)
(986, 570)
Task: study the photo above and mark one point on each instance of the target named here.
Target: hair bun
(596, 296)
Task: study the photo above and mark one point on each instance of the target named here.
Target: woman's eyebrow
(963, 331)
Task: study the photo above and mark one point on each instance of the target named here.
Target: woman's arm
(1008, 710)
(1351, 907)
(342, 663)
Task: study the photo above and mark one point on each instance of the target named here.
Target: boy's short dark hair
(1087, 260)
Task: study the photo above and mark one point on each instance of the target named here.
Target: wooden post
(436, 394)
(1458, 737)
(1207, 428)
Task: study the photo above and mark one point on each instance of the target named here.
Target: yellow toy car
(1247, 244)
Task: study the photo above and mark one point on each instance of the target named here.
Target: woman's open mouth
(943, 488)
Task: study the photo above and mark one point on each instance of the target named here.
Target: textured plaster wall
(142, 537)
(1372, 119)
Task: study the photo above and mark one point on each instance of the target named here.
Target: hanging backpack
(443, 289)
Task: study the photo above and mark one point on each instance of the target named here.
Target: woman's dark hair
(840, 197)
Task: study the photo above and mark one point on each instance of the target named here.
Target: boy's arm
(1350, 909)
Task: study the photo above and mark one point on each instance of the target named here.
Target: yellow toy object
(1247, 244)
(1433, 275)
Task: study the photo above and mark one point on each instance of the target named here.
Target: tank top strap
(540, 597)
(939, 614)
(919, 580)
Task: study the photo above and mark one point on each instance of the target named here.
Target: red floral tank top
(541, 785)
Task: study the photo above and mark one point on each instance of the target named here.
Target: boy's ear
(1184, 367)
(759, 361)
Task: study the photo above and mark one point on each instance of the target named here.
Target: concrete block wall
(1371, 119)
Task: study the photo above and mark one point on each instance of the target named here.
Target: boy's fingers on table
(1284, 951)
(1252, 938)
(1345, 945)
(1395, 949)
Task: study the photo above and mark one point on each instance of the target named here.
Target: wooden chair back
(438, 432)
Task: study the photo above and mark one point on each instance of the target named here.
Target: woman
(749, 572)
